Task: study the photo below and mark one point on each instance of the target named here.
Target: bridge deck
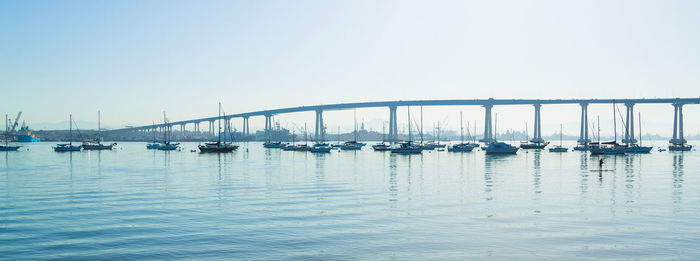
(474, 102)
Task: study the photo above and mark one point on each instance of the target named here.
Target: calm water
(134, 203)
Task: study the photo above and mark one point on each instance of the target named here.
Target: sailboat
(274, 144)
(461, 147)
(529, 144)
(408, 147)
(166, 133)
(337, 144)
(7, 146)
(155, 144)
(97, 144)
(381, 146)
(498, 147)
(305, 146)
(68, 146)
(638, 148)
(608, 148)
(559, 148)
(321, 146)
(218, 146)
(353, 145)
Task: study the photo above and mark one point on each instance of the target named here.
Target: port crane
(15, 122)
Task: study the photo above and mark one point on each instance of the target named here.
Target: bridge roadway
(486, 103)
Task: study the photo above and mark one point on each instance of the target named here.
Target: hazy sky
(135, 59)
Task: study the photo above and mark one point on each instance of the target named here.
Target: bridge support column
(268, 127)
(538, 125)
(678, 125)
(182, 129)
(488, 131)
(212, 129)
(629, 125)
(393, 126)
(583, 136)
(246, 129)
(320, 131)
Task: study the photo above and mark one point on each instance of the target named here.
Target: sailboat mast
(219, 134)
(383, 136)
(527, 137)
(99, 129)
(639, 119)
(421, 124)
(70, 130)
(614, 123)
(560, 134)
(7, 130)
(495, 128)
(598, 130)
(461, 128)
(409, 125)
(355, 121)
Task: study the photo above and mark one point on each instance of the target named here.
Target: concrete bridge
(487, 104)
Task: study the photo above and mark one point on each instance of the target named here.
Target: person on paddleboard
(600, 164)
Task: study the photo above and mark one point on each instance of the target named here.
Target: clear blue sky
(134, 59)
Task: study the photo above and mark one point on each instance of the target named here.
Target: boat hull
(67, 148)
(639, 149)
(167, 147)
(321, 150)
(9, 148)
(558, 149)
(204, 149)
(98, 147)
(27, 138)
(680, 148)
(607, 151)
(533, 146)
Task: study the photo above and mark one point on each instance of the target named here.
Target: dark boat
(533, 145)
(498, 147)
(97, 144)
(218, 146)
(274, 145)
(679, 147)
(407, 148)
(462, 147)
(321, 148)
(381, 147)
(167, 145)
(559, 148)
(68, 146)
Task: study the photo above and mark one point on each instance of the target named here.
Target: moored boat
(7, 146)
(97, 144)
(498, 147)
(381, 147)
(407, 148)
(218, 146)
(559, 148)
(68, 146)
(321, 147)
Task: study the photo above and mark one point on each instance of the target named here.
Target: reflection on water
(677, 194)
(259, 203)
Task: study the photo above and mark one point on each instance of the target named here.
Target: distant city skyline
(133, 59)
